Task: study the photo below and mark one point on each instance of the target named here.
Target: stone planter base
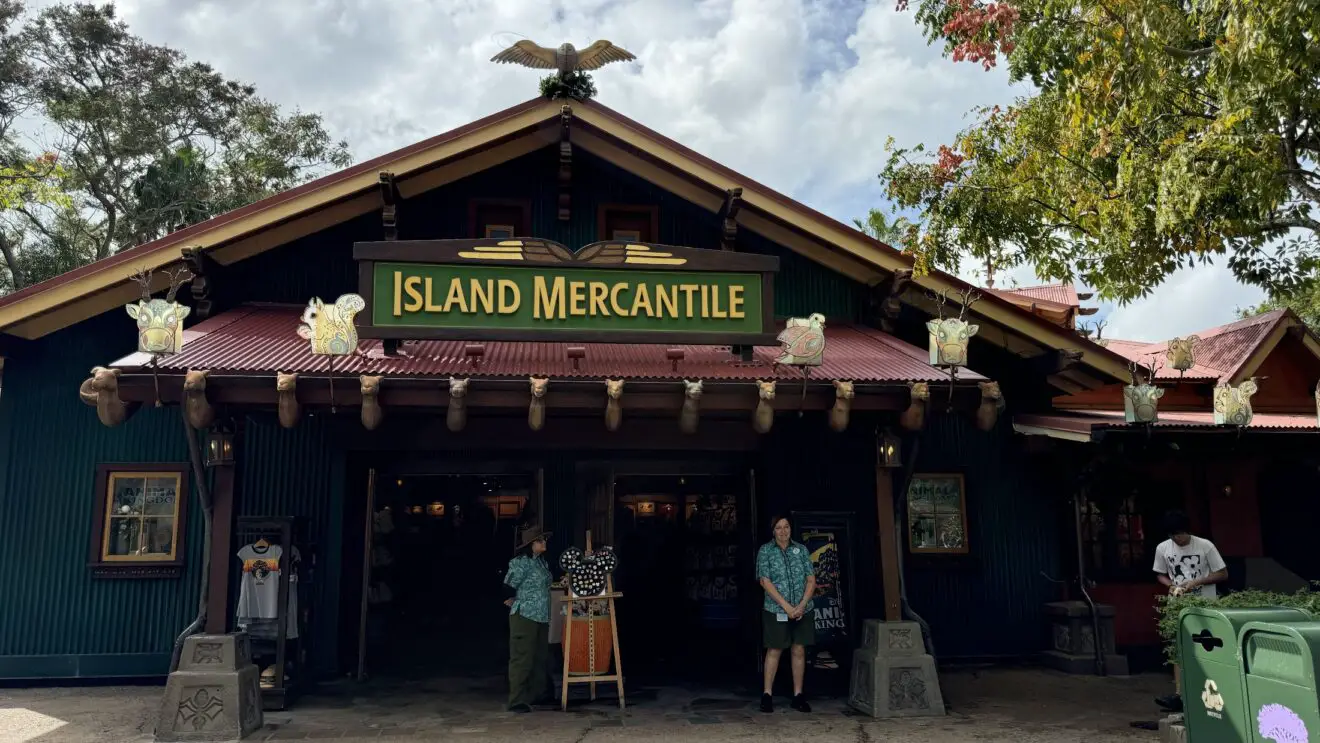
(892, 676)
(214, 694)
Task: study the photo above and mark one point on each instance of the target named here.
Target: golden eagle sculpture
(565, 59)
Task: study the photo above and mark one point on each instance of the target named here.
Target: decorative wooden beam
(1054, 362)
(1087, 310)
(389, 210)
(887, 298)
(729, 216)
(565, 164)
(203, 269)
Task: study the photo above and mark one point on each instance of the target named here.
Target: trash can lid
(1211, 632)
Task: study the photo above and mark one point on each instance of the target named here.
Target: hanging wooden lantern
(802, 341)
(764, 415)
(159, 321)
(456, 415)
(372, 414)
(914, 417)
(613, 404)
(690, 414)
(329, 327)
(195, 405)
(992, 404)
(1233, 404)
(1182, 353)
(843, 397)
(101, 391)
(286, 387)
(536, 410)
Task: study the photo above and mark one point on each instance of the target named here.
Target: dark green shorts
(780, 635)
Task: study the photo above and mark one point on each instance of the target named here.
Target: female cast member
(529, 620)
(784, 570)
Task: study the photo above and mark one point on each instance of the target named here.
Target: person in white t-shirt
(1185, 564)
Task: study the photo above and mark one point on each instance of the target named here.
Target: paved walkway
(1017, 705)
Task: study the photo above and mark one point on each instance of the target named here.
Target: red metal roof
(1096, 420)
(263, 339)
(1219, 354)
(1064, 294)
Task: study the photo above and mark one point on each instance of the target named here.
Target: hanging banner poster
(829, 540)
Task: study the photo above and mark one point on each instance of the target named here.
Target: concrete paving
(1017, 705)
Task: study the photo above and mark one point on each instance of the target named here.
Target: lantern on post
(888, 450)
(219, 447)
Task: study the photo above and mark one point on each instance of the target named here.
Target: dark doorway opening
(439, 545)
(685, 571)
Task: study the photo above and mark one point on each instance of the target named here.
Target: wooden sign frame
(527, 252)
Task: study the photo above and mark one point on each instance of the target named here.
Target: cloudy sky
(798, 94)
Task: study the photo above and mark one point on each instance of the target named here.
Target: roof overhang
(90, 290)
(1095, 425)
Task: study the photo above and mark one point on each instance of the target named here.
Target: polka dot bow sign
(586, 572)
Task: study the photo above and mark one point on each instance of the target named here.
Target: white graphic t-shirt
(259, 588)
(1182, 564)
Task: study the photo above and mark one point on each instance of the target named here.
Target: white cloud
(798, 94)
(1191, 299)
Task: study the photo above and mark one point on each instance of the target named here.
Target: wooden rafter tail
(733, 202)
(389, 210)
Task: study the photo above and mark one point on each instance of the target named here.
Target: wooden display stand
(591, 677)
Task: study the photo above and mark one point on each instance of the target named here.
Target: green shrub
(576, 85)
(1169, 606)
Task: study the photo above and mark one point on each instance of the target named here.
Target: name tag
(781, 617)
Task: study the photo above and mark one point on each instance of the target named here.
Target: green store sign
(525, 289)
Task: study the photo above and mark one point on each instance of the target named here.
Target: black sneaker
(520, 708)
(1172, 702)
(767, 703)
(800, 704)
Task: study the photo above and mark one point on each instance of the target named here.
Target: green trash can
(1279, 667)
(1214, 697)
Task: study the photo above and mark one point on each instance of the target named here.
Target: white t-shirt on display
(259, 588)
(1183, 564)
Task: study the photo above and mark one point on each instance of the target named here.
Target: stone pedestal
(1072, 639)
(1173, 729)
(214, 695)
(892, 676)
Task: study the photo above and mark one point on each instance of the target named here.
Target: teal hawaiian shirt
(788, 569)
(530, 577)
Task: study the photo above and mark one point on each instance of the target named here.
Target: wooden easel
(590, 677)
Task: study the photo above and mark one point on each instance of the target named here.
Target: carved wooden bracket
(565, 165)
(203, 269)
(887, 298)
(1055, 362)
(729, 216)
(389, 211)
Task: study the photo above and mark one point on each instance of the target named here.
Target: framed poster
(828, 537)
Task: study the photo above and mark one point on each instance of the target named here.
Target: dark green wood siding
(55, 618)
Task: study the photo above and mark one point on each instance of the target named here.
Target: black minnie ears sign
(586, 572)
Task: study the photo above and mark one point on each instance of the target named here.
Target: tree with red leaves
(1162, 134)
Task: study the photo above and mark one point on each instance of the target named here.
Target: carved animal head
(990, 390)
(104, 379)
(614, 388)
(766, 390)
(948, 340)
(1141, 403)
(330, 327)
(692, 390)
(194, 380)
(920, 391)
(458, 388)
(539, 385)
(1182, 352)
(843, 390)
(370, 385)
(285, 382)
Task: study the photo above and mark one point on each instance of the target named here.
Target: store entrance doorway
(433, 566)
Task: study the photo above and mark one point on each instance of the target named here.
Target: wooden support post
(884, 503)
(223, 495)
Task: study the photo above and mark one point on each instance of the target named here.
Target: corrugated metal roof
(1064, 294)
(257, 338)
(1093, 420)
(1220, 353)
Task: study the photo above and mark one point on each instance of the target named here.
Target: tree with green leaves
(148, 140)
(1305, 302)
(1161, 135)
